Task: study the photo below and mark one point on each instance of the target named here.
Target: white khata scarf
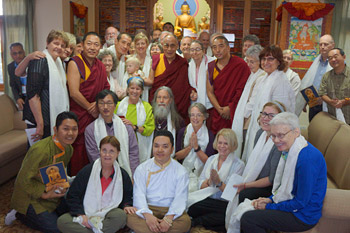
(192, 163)
(120, 133)
(145, 142)
(224, 171)
(96, 205)
(57, 87)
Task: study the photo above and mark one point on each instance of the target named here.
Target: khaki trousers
(138, 225)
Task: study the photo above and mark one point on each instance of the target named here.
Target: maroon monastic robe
(175, 76)
(93, 80)
(228, 85)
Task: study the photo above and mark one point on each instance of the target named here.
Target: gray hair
(175, 117)
(252, 38)
(106, 52)
(200, 107)
(286, 118)
(198, 42)
(159, 45)
(136, 80)
(254, 51)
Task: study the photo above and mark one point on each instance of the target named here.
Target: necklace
(160, 124)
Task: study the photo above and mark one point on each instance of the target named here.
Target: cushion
(322, 129)
(7, 108)
(338, 158)
(14, 144)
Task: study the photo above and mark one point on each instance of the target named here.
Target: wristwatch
(198, 149)
(219, 185)
(136, 128)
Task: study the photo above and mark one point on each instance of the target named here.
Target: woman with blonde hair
(206, 207)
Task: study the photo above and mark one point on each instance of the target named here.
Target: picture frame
(302, 37)
(78, 21)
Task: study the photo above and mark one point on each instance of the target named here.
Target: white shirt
(168, 188)
(236, 168)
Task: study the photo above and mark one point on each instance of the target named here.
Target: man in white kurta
(160, 191)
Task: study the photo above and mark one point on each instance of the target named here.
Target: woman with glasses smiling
(241, 119)
(194, 144)
(260, 170)
(274, 86)
(197, 72)
(299, 188)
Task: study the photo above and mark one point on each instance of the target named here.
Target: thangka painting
(301, 29)
(303, 39)
(79, 19)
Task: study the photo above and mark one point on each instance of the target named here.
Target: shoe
(10, 217)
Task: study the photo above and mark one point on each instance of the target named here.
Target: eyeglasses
(269, 115)
(268, 59)
(195, 50)
(196, 115)
(280, 136)
(107, 103)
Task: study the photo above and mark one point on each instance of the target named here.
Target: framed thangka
(78, 19)
(302, 25)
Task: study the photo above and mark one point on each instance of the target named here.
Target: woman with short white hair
(292, 77)
(298, 189)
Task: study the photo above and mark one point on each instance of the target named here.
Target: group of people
(154, 135)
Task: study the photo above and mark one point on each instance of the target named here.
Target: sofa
(332, 138)
(13, 139)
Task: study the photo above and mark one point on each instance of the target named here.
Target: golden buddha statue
(184, 21)
(158, 23)
(203, 25)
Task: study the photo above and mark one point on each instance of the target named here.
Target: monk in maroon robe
(226, 80)
(86, 78)
(171, 70)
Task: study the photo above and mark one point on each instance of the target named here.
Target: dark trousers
(313, 111)
(254, 193)
(210, 213)
(44, 222)
(259, 221)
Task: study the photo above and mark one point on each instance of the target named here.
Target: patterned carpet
(16, 227)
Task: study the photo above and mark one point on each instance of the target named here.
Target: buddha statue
(158, 23)
(184, 21)
(203, 25)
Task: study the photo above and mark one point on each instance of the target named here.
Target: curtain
(17, 27)
(341, 26)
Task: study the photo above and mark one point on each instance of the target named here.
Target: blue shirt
(321, 70)
(309, 187)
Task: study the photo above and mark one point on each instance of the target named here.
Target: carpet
(5, 194)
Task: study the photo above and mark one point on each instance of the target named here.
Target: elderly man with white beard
(164, 111)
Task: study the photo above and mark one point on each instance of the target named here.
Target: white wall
(47, 16)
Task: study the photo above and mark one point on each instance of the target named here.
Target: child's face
(131, 67)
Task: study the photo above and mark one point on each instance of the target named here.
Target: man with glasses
(314, 76)
(227, 77)
(18, 84)
(110, 36)
(171, 70)
(109, 124)
(335, 86)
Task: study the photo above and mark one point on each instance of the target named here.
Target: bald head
(170, 45)
(326, 45)
(204, 37)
